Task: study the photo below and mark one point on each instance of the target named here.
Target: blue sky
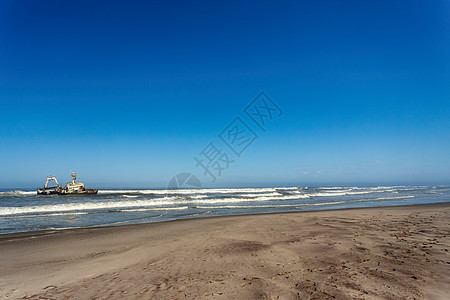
(127, 93)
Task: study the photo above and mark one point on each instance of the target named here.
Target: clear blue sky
(127, 93)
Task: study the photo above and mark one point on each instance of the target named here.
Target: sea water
(27, 211)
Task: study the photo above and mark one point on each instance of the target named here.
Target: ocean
(26, 211)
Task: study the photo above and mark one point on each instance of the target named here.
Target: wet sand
(369, 253)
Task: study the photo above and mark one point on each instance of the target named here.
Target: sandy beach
(370, 253)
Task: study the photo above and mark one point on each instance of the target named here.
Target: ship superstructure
(50, 190)
(70, 189)
(74, 187)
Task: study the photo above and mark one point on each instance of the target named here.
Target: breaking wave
(18, 193)
(24, 210)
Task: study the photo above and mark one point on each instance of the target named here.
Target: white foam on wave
(18, 193)
(251, 199)
(287, 188)
(49, 214)
(198, 196)
(261, 195)
(244, 192)
(329, 194)
(299, 205)
(352, 191)
(320, 191)
(189, 191)
(139, 203)
(84, 206)
(360, 192)
(161, 203)
(391, 198)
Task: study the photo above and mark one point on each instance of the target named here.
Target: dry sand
(375, 253)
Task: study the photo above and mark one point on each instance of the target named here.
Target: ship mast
(74, 177)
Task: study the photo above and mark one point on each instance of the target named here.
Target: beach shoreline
(388, 252)
(22, 234)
